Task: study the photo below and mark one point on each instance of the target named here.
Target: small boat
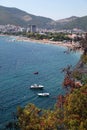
(36, 72)
(35, 86)
(43, 94)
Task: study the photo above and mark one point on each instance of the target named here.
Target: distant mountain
(79, 23)
(72, 22)
(18, 17)
(66, 20)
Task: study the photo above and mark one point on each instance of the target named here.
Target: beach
(46, 41)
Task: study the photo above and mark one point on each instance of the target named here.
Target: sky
(54, 9)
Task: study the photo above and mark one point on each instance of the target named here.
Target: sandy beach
(45, 41)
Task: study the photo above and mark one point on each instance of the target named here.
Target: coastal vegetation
(49, 36)
(42, 36)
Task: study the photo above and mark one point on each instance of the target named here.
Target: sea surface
(18, 62)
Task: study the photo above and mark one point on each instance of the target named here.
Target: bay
(18, 62)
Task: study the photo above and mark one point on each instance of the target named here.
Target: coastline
(44, 41)
(69, 45)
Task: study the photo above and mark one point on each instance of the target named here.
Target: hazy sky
(55, 9)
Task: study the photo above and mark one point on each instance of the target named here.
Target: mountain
(18, 17)
(72, 22)
(79, 23)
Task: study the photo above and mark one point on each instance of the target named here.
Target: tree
(33, 118)
(75, 110)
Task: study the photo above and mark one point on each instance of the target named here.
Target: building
(31, 28)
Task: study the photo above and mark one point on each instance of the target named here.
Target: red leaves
(68, 82)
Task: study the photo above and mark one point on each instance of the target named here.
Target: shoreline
(69, 45)
(44, 41)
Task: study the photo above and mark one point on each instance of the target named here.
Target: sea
(19, 61)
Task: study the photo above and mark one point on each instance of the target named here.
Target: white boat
(35, 86)
(43, 94)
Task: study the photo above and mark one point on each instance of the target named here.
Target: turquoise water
(18, 62)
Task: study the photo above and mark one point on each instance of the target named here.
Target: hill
(18, 17)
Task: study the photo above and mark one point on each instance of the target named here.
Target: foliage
(50, 36)
(84, 79)
(75, 112)
(84, 59)
(32, 118)
(77, 75)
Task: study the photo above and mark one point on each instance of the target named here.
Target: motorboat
(43, 94)
(35, 86)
